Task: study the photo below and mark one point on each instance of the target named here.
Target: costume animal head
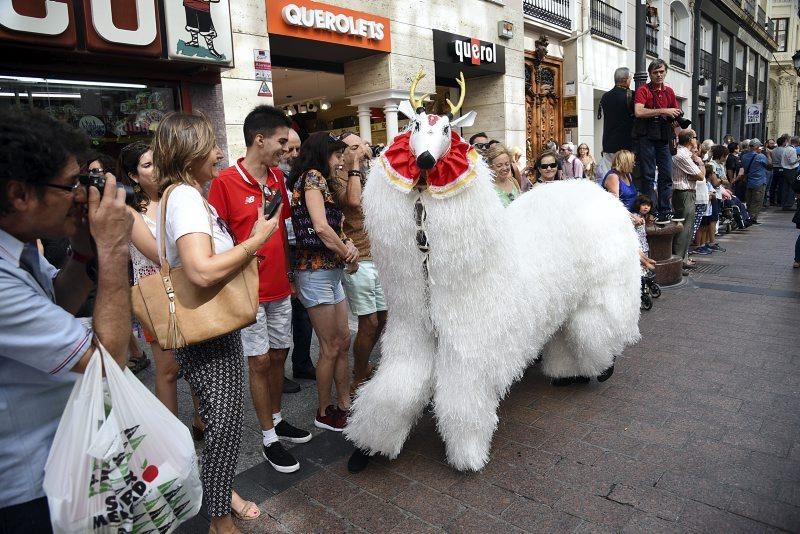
(430, 134)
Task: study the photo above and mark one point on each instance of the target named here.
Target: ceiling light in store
(42, 95)
(302, 108)
(324, 105)
(27, 79)
(290, 110)
(312, 107)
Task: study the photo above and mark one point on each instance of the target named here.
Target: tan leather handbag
(179, 313)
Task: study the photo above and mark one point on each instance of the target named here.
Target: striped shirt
(683, 167)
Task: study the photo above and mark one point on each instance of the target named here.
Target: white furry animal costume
(557, 271)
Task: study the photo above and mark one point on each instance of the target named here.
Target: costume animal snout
(426, 161)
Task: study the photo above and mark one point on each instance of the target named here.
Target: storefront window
(112, 114)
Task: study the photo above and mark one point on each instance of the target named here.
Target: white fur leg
(558, 360)
(387, 406)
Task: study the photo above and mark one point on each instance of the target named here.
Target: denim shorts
(363, 289)
(323, 286)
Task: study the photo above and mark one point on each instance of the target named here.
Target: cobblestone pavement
(696, 431)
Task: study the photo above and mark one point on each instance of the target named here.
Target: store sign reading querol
(196, 30)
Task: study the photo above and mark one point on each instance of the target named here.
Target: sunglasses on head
(548, 165)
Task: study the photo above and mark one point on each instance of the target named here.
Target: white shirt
(187, 213)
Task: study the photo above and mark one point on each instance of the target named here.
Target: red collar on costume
(453, 172)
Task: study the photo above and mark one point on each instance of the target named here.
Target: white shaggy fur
(556, 272)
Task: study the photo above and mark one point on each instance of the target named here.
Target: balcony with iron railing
(556, 12)
(651, 40)
(606, 21)
(724, 71)
(749, 7)
(761, 16)
(751, 85)
(740, 80)
(706, 64)
(677, 52)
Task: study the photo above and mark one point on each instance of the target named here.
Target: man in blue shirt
(754, 169)
(42, 345)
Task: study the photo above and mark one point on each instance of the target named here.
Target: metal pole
(640, 76)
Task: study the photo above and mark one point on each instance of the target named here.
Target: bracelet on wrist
(352, 173)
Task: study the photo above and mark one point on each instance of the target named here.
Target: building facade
(347, 65)
(783, 115)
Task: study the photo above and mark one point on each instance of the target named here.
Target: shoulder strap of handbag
(162, 251)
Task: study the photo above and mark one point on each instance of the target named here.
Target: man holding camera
(655, 108)
(42, 344)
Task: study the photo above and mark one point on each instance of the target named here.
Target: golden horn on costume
(463, 85)
(416, 103)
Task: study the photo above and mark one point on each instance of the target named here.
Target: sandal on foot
(246, 512)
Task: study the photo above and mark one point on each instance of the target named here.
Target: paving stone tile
(615, 441)
(546, 490)
(696, 488)
(471, 521)
(532, 516)
(536, 460)
(518, 413)
(704, 518)
(595, 509)
(264, 524)
(707, 429)
(588, 478)
(573, 449)
(370, 513)
(659, 503)
(777, 468)
(326, 488)
(527, 435)
(789, 492)
(424, 470)
(758, 442)
(482, 495)
(624, 470)
(746, 478)
(587, 527)
(380, 481)
(553, 424)
(303, 515)
(412, 525)
(429, 505)
(642, 522)
(777, 514)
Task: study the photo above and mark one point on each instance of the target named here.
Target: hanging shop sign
(737, 98)
(753, 114)
(332, 24)
(196, 30)
(474, 57)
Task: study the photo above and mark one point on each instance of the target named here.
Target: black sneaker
(279, 459)
(663, 218)
(290, 386)
(306, 374)
(291, 433)
(358, 461)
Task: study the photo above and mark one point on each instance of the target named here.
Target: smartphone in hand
(273, 205)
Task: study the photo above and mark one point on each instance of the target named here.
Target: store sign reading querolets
(316, 21)
(196, 30)
(322, 19)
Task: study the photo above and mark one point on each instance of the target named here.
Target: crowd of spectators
(314, 256)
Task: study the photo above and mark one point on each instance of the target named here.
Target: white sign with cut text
(322, 19)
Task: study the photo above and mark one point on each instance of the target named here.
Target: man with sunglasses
(240, 195)
(42, 344)
(481, 142)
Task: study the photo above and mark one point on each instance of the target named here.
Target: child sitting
(641, 211)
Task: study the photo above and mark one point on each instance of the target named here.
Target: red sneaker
(332, 420)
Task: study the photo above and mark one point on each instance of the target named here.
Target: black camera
(376, 150)
(683, 122)
(97, 179)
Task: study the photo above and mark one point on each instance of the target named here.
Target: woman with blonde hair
(588, 161)
(501, 163)
(618, 180)
(186, 156)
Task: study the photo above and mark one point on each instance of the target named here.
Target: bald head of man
(292, 147)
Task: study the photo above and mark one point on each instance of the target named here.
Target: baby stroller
(650, 289)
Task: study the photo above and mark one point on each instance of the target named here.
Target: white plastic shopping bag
(120, 461)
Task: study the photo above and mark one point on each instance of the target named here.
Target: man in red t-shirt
(239, 194)
(655, 108)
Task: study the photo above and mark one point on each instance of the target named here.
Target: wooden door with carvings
(543, 98)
